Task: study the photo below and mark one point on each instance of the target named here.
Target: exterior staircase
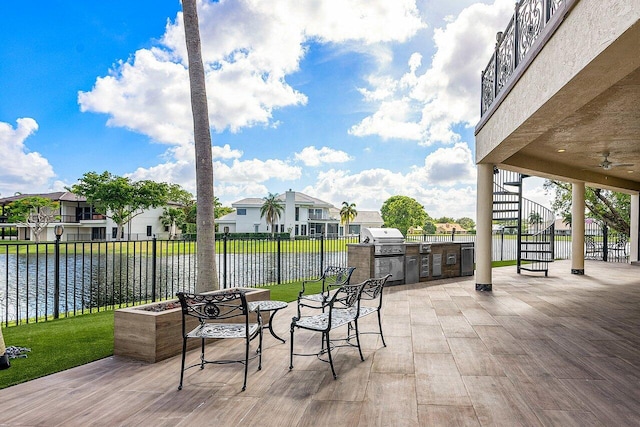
(530, 222)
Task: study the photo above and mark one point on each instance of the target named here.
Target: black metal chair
(372, 291)
(342, 309)
(332, 278)
(220, 315)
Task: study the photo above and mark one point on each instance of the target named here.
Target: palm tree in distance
(271, 210)
(535, 219)
(170, 218)
(347, 214)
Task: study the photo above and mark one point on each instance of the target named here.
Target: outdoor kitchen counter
(436, 260)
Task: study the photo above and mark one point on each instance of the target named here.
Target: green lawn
(58, 345)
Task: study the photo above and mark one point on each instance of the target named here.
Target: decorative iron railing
(513, 44)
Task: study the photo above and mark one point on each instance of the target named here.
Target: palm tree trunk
(207, 277)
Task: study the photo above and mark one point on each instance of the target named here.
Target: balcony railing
(513, 44)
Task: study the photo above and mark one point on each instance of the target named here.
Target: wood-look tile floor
(557, 351)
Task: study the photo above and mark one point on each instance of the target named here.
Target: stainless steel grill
(389, 250)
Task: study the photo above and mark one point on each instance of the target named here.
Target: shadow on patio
(561, 350)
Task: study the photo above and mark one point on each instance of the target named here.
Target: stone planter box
(151, 336)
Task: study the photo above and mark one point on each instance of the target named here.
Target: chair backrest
(372, 288)
(214, 306)
(336, 276)
(346, 297)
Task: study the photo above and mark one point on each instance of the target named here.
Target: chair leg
(260, 349)
(246, 363)
(380, 326)
(328, 341)
(202, 355)
(184, 351)
(291, 348)
(358, 340)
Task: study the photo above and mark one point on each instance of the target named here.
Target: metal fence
(48, 280)
(59, 279)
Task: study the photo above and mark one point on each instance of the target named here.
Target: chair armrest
(304, 282)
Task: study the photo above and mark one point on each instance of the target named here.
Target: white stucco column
(577, 228)
(484, 219)
(635, 227)
(290, 212)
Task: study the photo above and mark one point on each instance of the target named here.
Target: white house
(82, 223)
(303, 215)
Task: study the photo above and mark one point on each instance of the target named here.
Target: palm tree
(206, 276)
(170, 218)
(271, 210)
(535, 219)
(347, 214)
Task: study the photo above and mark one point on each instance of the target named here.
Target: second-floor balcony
(317, 216)
(81, 218)
(516, 45)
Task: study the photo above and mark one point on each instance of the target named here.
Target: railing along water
(96, 276)
(108, 275)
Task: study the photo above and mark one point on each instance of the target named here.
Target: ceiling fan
(606, 164)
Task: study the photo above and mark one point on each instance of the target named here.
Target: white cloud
(446, 94)
(447, 166)
(312, 156)
(229, 179)
(21, 170)
(432, 184)
(249, 48)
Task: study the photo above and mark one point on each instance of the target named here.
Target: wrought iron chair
(593, 249)
(372, 291)
(332, 278)
(220, 315)
(342, 309)
(618, 247)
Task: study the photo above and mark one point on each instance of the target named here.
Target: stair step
(504, 211)
(505, 193)
(501, 218)
(512, 183)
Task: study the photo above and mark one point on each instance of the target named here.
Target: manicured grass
(57, 345)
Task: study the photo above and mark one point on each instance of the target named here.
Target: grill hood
(380, 236)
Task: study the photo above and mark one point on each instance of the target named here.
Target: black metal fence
(59, 279)
(47, 280)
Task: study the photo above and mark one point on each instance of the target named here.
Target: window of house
(297, 214)
(241, 211)
(297, 230)
(304, 229)
(114, 232)
(148, 231)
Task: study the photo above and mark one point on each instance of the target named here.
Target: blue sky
(350, 100)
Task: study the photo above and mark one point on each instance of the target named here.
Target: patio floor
(562, 351)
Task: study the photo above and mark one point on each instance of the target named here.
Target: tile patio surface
(561, 351)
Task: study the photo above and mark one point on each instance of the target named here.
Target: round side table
(273, 307)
